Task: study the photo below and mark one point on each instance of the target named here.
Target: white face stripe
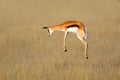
(72, 29)
(50, 32)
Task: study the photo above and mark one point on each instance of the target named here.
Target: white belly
(73, 29)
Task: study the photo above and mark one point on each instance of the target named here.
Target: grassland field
(27, 53)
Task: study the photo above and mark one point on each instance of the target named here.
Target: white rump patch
(72, 29)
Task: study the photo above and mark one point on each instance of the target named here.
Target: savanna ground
(27, 53)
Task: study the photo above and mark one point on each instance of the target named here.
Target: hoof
(65, 50)
(86, 57)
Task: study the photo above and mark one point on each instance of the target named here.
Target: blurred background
(45, 12)
(27, 53)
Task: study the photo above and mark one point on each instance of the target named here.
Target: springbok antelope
(74, 26)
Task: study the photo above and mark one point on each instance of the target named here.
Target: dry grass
(27, 53)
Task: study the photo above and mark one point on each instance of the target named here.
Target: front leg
(64, 43)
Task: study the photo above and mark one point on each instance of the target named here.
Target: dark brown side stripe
(73, 25)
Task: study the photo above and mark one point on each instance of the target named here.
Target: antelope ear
(45, 27)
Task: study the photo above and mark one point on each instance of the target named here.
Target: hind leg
(86, 47)
(79, 35)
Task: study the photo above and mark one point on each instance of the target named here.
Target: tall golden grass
(27, 53)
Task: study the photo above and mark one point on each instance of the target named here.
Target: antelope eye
(49, 32)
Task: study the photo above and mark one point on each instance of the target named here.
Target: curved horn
(45, 27)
